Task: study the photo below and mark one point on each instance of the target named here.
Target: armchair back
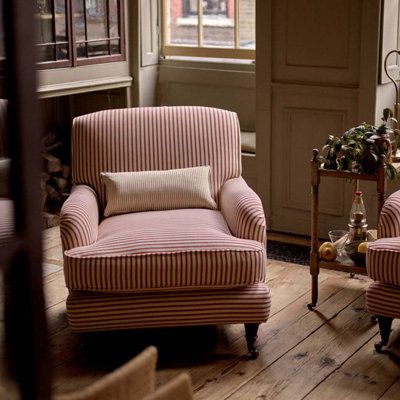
(155, 138)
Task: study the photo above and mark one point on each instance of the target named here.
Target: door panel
(302, 118)
(316, 41)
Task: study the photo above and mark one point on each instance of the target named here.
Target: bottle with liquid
(358, 219)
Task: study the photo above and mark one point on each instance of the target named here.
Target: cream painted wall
(228, 86)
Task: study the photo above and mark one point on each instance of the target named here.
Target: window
(210, 7)
(79, 32)
(209, 28)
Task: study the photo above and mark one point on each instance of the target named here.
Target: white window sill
(84, 86)
(232, 64)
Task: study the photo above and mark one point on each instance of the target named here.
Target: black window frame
(73, 59)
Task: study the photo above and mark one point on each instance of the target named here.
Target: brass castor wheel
(378, 347)
(253, 353)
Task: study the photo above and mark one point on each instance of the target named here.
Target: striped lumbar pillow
(157, 190)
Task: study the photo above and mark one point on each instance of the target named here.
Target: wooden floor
(320, 355)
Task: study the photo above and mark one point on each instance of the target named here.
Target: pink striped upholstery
(93, 311)
(383, 299)
(243, 211)
(79, 218)
(383, 260)
(144, 139)
(389, 219)
(164, 250)
(6, 221)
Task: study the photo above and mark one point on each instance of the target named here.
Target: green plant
(359, 149)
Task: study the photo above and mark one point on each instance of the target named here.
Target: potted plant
(359, 149)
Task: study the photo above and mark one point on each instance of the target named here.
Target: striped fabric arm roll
(243, 210)
(389, 219)
(79, 218)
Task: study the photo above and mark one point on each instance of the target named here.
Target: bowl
(351, 250)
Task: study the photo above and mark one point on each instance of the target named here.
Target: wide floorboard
(314, 355)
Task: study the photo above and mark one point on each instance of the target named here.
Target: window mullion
(71, 30)
(165, 18)
(236, 27)
(86, 30)
(108, 26)
(200, 23)
(53, 28)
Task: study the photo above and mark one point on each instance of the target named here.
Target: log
(53, 164)
(66, 171)
(61, 183)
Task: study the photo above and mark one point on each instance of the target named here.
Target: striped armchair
(383, 266)
(163, 268)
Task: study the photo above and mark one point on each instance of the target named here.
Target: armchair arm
(389, 219)
(243, 210)
(79, 218)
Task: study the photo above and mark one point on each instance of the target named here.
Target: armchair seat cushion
(165, 250)
(383, 299)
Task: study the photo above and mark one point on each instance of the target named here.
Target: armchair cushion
(157, 190)
(164, 250)
(243, 210)
(383, 260)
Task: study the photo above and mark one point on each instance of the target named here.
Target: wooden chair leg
(251, 337)
(385, 327)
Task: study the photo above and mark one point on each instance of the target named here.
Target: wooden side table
(316, 173)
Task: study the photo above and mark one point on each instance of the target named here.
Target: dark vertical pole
(26, 333)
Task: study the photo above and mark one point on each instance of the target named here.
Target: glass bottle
(358, 218)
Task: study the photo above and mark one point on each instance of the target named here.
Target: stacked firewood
(56, 175)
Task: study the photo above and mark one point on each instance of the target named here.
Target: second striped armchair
(161, 268)
(383, 266)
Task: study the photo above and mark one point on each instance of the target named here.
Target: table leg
(314, 256)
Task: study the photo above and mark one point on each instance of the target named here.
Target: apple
(327, 251)
(362, 247)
